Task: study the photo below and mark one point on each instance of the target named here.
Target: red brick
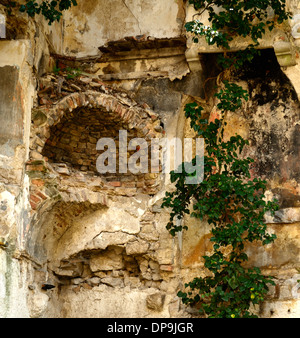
(115, 183)
(37, 182)
(70, 103)
(34, 198)
(124, 112)
(33, 205)
(145, 106)
(41, 195)
(118, 109)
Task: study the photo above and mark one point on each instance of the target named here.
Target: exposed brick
(33, 205)
(37, 182)
(74, 136)
(166, 267)
(71, 103)
(75, 132)
(119, 109)
(34, 198)
(41, 195)
(115, 183)
(77, 100)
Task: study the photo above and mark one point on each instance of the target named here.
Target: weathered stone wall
(269, 120)
(23, 54)
(91, 25)
(77, 243)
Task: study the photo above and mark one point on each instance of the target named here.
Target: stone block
(165, 267)
(94, 281)
(38, 304)
(133, 282)
(137, 247)
(149, 233)
(109, 260)
(280, 309)
(284, 251)
(285, 215)
(155, 301)
(105, 239)
(111, 281)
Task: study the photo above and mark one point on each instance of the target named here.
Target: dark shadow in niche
(264, 72)
(11, 110)
(73, 140)
(164, 95)
(273, 113)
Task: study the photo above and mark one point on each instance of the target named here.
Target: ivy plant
(228, 198)
(243, 18)
(50, 9)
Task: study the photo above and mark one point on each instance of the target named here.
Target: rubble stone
(155, 301)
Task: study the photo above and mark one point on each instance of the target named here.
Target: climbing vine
(228, 199)
(50, 9)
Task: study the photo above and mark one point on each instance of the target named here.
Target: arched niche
(75, 208)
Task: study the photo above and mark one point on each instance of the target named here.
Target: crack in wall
(124, 3)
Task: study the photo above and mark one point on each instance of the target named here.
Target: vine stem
(221, 127)
(204, 9)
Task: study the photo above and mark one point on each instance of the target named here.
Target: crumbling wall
(22, 50)
(78, 243)
(91, 25)
(270, 121)
(16, 94)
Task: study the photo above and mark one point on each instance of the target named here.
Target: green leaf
(227, 199)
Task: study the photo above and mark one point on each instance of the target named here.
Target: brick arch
(141, 121)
